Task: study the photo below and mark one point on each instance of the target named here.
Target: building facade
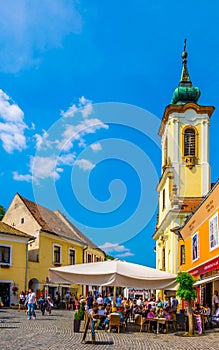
(57, 243)
(200, 236)
(185, 178)
(13, 263)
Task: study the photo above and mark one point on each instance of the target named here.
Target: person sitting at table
(114, 312)
(165, 314)
(214, 320)
(102, 315)
(207, 310)
(150, 316)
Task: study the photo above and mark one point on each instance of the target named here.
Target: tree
(109, 257)
(187, 292)
(2, 212)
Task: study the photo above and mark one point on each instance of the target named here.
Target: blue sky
(83, 88)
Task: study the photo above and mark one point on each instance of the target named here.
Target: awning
(206, 280)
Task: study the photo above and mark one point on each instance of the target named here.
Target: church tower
(185, 178)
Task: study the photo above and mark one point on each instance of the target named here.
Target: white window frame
(69, 249)
(215, 234)
(10, 259)
(198, 253)
(53, 253)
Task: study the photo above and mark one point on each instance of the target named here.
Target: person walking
(215, 301)
(21, 301)
(174, 304)
(90, 300)
(31, 303)
(93, 314)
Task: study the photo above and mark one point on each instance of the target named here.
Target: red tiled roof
(56, 223)
(189, 204)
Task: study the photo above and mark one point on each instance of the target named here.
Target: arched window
(165, 152)
(189, 142)
(164, 200)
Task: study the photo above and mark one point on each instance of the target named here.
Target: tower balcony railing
(190, 161)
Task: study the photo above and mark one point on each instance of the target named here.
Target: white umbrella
(113, 273)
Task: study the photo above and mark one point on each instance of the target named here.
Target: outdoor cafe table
(161, 320)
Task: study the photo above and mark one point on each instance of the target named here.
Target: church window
(165, 152)
(163, 206)
(189, 142)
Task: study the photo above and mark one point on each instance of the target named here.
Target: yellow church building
(185, 178)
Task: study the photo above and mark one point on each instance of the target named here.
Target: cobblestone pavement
(55, 331)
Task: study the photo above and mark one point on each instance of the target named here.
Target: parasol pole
(114, 296)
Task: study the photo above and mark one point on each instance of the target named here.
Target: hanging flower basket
(14, 290)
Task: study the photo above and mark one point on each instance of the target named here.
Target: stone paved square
(55, 331)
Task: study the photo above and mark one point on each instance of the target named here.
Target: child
(197, 313)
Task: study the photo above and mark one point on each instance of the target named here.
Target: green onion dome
(185, 92)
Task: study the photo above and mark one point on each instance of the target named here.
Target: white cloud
(77, 132)
(12, 125)
(84, 164)
(67, 159)
(28, 29)
(43, 167)
(83, 101)
(42, 140)
(116, 248)
(20, 177)
(84, 107)
(96, 147)
(124, 255)
(47, 166)
(87, 110)
(70, 112)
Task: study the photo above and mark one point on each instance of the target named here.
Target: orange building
(199, 245)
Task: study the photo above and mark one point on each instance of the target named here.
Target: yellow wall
(190, 180)
(39, 270)
(16, 272)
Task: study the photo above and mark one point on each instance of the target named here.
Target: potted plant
(14, 289)
(78, 316)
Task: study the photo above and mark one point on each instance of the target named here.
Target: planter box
(77, 325)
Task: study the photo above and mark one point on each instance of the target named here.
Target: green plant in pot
(78, 316)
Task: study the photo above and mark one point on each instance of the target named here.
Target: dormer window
(22, 220)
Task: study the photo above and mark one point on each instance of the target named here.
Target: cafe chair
(114, 322)
(141, 322)
(181, 322)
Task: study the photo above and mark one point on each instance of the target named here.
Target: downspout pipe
(83, 260)
(26, 269)
(85, 248)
